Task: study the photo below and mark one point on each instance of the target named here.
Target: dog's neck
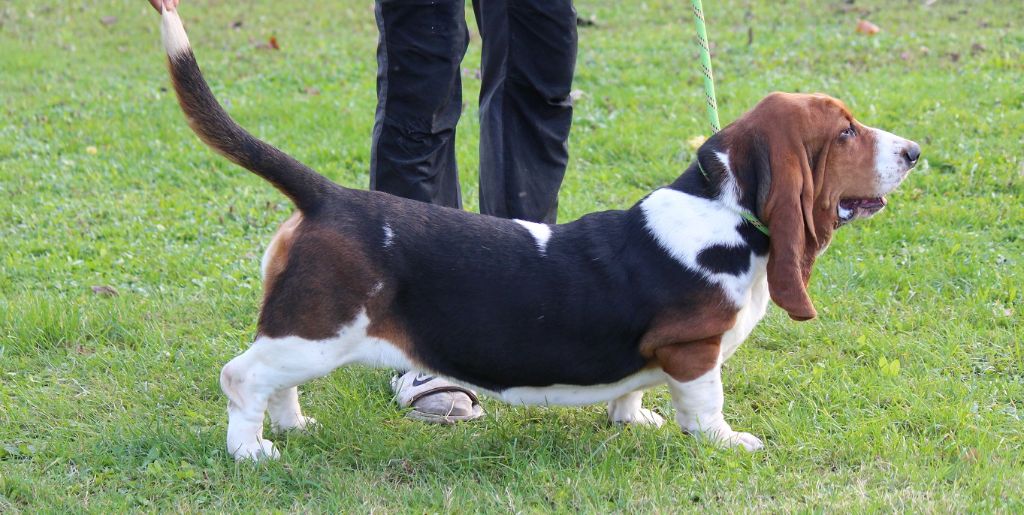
(732, 176)
(714, 176)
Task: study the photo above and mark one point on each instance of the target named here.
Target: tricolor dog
(595, 310)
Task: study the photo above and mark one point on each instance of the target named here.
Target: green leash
(712, 105)
(705, 64)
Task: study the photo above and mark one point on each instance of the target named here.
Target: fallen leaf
(108, 20)
(866, 27)
(273, 43)
(696, 141)
(105, 291)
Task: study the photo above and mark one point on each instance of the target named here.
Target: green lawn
(110, 403)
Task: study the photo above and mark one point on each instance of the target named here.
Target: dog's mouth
(853, 208)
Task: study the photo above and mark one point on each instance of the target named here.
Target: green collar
(746, 215)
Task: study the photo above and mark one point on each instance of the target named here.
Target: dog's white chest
(752, 312)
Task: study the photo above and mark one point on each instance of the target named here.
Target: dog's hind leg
(266, 376)
(628, 410)
(247, 402)
(285, 412)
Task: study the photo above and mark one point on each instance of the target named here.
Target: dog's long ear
(788, 211)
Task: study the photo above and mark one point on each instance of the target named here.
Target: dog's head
(814, 168)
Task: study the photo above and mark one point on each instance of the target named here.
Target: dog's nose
(911, 153)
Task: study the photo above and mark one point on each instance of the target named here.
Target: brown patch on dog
(336, 280)
(276, 256)
(326, 281)
(849, 169)
(384, 324)
(714, 316)
(690, 360)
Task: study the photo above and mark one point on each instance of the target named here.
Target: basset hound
(595, 310)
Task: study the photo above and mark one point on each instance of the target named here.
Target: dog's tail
(306, 188)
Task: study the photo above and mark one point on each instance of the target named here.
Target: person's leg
(412, 154)
(529, 56)
(419, 99)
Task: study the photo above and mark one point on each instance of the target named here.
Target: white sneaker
(434, 399)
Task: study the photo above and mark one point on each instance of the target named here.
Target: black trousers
(529, 55)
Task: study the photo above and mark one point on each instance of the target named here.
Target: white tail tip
(173, 33)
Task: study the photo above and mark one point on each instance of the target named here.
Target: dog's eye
(849, 132)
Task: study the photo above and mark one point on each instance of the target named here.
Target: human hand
(161, 5)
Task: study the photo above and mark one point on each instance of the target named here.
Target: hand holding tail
(164, 5)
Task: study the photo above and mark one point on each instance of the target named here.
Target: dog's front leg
(698, 406)
(695, 382)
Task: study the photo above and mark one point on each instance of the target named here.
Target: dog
(595, 310)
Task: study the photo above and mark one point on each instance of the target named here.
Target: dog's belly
(382, 354)
(577, 395)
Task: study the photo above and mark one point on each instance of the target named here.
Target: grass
(110, 403)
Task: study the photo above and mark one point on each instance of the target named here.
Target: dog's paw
(301, 424)
(748, 441)
(640, 417)
(258, 450)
